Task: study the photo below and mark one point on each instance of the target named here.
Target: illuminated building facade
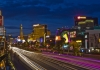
(66, 33)
(64, 37)
(50, 40)
(2, 33)
(1, 19)
(86, 22)
(39, 31)
(93, 38)
(48, 33)
(71, 34)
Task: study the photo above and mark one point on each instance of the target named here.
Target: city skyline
(54, 13)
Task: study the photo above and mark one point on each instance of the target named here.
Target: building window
(91, 44)
(99, 35)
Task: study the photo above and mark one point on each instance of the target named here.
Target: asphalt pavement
(19, 65)
(88, 63)
(51, 64)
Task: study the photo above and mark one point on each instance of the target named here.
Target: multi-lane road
(52, 64)
(19, 65)
(53, 61)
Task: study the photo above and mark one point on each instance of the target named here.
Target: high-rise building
(2, 34)
(39, 30)
(48, 33)
(1, 19)
(84, 22)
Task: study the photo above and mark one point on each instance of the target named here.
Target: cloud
(51, 12)
(83, 1)
(31, 11)
(16, 27)
(14, 30)
(52, 2)
(37, 8)
(12, 33)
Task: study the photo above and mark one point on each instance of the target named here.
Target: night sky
(54, 13)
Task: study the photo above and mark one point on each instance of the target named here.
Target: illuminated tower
(21, 32)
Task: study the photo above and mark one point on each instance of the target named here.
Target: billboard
(65, 35)
(1, 20)
(72, 34)
(58, 38)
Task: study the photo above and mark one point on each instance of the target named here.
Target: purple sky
(54, 13)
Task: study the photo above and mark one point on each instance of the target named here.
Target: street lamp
(44, 37)
(4, 40)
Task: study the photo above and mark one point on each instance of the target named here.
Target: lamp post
(9, 37)
(44, 38)
(4, 41)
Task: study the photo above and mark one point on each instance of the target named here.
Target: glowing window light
(99, 40)
(23, 41)
(50, 40)
(78, 41)
(92, 49)
(86, 44)
(78, 17)
(18, 40)
(65, 46)
(58, 38)
(82, 50)
(36, 25)
(47, 36)
(97, 50)
(89, 50)
(85, 36)
(89, 20)
(81, 22)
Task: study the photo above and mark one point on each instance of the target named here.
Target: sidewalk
(92, 56)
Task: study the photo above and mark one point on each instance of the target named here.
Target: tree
(76, 47)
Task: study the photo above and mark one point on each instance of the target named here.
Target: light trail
(31, 64)
(83, 63)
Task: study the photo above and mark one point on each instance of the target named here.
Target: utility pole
(4, 31)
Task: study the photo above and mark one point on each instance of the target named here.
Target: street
(19, 65)
(54, 61)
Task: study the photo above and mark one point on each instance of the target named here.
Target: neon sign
(79, 17)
